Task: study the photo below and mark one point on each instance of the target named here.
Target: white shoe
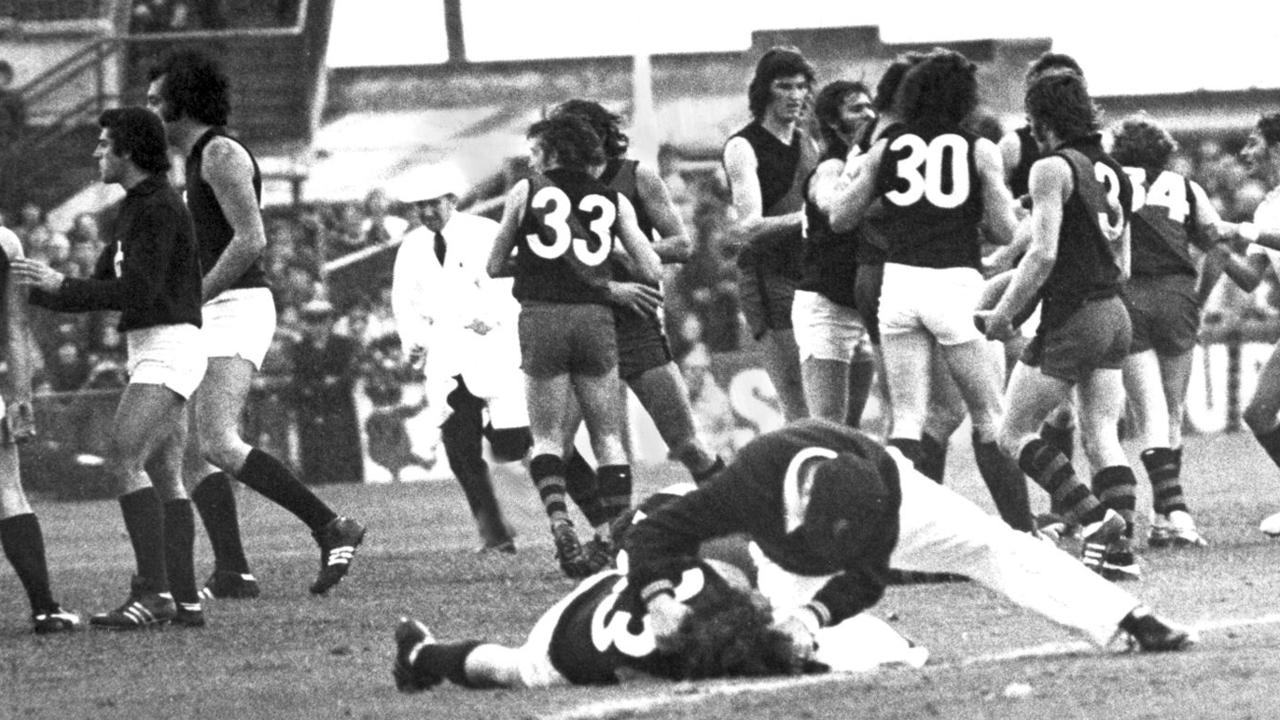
(1177, 529)
(1271, 526)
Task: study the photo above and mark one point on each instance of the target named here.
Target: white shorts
(167, 355)
(938, 300)
(240, 323)
(825, 330)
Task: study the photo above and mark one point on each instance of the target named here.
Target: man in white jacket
(459, 326)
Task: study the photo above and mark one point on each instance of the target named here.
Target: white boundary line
(685, 694)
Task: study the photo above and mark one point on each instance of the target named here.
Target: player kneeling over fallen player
(830, 510)
(600, 628)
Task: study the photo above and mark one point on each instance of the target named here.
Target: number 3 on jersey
(554, 208)
(923, 169)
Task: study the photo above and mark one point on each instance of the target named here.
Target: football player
(568, 226)
(20, 534)
(1173, 222)
(830, 510)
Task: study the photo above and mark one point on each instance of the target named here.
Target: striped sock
(1166, 487)
(1051, 470)
(547, 472)
(1115, 487)
(584, 488)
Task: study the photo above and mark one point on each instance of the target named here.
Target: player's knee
(1011, 443)
(510, 444)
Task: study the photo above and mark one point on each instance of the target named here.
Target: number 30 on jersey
(554, 208)
(927, 174)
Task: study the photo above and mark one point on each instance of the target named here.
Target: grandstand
(327, 137)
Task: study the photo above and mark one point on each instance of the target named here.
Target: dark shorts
(1164, 313)
(866, 292)
(642, 345)
(567, 338)
(765, 297)
(1095, 337)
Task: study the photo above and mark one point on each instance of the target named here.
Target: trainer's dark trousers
(462, 435)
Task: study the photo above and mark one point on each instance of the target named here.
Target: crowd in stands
(309, 247)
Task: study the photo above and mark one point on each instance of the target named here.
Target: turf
(291, 655)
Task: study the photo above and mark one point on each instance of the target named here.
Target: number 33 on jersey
(583, 228)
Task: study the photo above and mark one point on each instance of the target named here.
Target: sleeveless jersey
(932, 201)
(1164, 224)
(605, 627)
(569, 227)
(781, 170)
(1028, 154)
(829, 261)
(620, 175)
(1086, 267)
(213, 232)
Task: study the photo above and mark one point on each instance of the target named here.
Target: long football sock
(1166, 487)
(23, 544)
(1114, 486)
(1006, 484)
(583, 486)
(933, 458)
(862, 377)
(909, 447)
(615, 489)
(1062, 438)
(144, 521)
(216, 503)
(1051, 470)
(179, 543)
(448, 660)
(272, 480)
(547, 472)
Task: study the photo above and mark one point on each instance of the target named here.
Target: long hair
(731, 636)
(781, 61)
(570, 140)
(607, 125)
(1062, 104)
(138, 133)
(826, 108)
(891, 80)
(194, 86)
(1269, 127)
(943, 87)
(1049, 61)
(1141, 142)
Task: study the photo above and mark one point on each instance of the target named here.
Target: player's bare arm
(1265, 235)
(1050, 186)
(1206, 235)
(851, 203)
(828, 178)
(229, 172)
(644, 260)
(1010, 155)
(505, 241)
(997, 202)
(673, 244)
(750, 226)
(17, 390)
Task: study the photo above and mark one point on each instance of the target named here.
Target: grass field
(291, 655)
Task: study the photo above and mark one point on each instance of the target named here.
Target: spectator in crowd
(389, 442)
(379, 225)
(324, 372)
(13, 110)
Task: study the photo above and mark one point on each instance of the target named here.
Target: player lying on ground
(600, 632)
(830, 510)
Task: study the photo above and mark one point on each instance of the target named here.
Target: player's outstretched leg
(1149, 633)
(410, 675)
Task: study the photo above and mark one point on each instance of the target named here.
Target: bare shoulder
(225, 158)
(739, 153)
(10, 243)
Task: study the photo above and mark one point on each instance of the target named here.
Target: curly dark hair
(570, 140)
(606, 124)
(1139, 141)
(1061, 103)
(730, 635)
(777, 62)
(194, 86)
(1049, 61)
(942, 88)
(891, 80)
(138, 133)
(826, 108)
(1269, 127)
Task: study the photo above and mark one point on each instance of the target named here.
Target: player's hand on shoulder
(33, 273)
(636, 296)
